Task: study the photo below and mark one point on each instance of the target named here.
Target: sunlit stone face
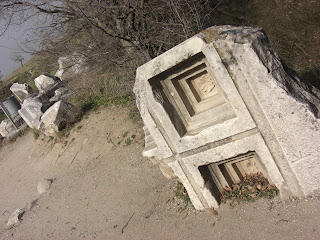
(191, 96)
(204, 86)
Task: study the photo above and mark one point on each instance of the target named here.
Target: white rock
(21, 91)
(15, 218)
(59, 113)
(44, 186)
(6, 127)
(31, 112)
(46, 82)
(71, 65)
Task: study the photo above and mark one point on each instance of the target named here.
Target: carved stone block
(221, 105)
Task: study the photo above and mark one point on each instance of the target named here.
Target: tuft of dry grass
(252, 187)
(293, 28)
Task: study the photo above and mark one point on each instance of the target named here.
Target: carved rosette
(206, 84)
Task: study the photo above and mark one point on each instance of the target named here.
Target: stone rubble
(21, 91)
(14, 123)
(6, 127)
(48, 110)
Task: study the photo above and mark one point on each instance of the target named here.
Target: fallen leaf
(184, 211)
(214, 211)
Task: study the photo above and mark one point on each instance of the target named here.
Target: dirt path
(104, 189)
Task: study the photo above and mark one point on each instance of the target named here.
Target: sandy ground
(104, 189)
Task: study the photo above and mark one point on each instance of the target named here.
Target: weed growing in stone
(127, 142)
(252, 187)
(125, 133)
(181, 193)
(35, 134)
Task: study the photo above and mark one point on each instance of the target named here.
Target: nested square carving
(191, 95)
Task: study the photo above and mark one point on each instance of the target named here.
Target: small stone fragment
(15, 218)
(44, 186)
(6, 127)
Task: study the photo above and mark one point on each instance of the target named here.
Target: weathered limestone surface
(46, 82)
(222, 94)
(290, 107)
(6, 127)
(31, 112)
(60, 94)
(58, 114)
(71, 65)
(21, 91)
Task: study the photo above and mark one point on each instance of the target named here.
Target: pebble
(44, 185)
(15, 218)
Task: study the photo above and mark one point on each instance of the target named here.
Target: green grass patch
(181, 193)
(35, 134)
(93, 102)
(252, 187)
(127, 142)
(125, 133)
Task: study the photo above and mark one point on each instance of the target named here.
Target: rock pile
(14, 123)
(48, 110)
